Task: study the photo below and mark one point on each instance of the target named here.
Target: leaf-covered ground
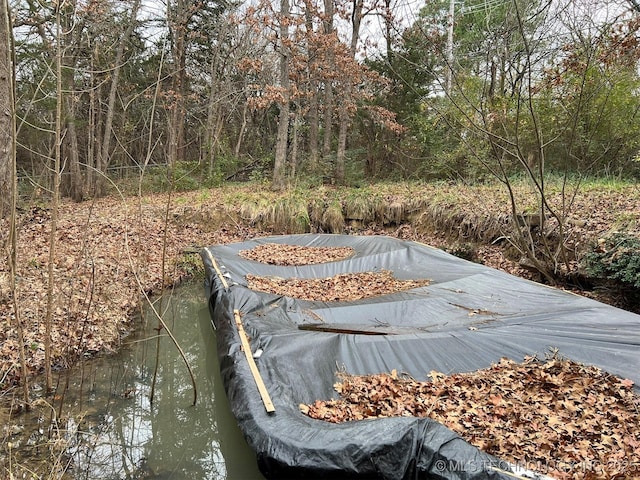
(109, 251)
(569, 420)
(339, 288)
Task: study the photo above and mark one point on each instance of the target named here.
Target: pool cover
(469, 317)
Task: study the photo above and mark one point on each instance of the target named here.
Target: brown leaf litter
(339, 288)
(563, 418)
(295, 255)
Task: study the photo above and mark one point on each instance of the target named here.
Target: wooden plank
(215, 266)
(266, 399)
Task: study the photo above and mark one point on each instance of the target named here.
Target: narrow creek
(113, 431)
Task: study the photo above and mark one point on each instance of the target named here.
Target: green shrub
(615, 257)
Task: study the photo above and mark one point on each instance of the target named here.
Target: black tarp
(466, 319)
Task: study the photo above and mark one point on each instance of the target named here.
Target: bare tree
(8, 173)
(51, 290)
(232, 70)
(329, 42)
(179, 14)
(216, 108)
(313, 114)
(345, 116)
(104, 150)
(283, 117)
(69, 41)
(547, 85)
(6, 111)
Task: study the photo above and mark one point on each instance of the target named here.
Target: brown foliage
(339, 288)
(101, 247)
(567, 419)
(283, 254)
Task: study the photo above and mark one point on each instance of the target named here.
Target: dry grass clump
(257, 212)
(339, 288)
(316, 210)
(362, 207)
(393, 210)
(285, 254)
(290, 215)
(332, 218)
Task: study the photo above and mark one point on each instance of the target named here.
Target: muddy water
(122, 435)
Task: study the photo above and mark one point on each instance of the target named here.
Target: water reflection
(125, 436)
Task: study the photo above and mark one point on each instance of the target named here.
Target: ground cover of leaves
(110, 249)
(339, 288)
(569, 420)
(107, 253)
(290, 255)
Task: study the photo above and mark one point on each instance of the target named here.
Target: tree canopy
(230, 90)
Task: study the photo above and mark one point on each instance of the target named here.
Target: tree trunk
(243, 127)
(111, 105)
(313, 114)
(282, 139)
(76, 183)
(9, 175)
(327, 134)
(293, 160)
(328, 86)
(92, 144)
(178, 22)
(214, 112)
(341, 154)
(345, 117)
(54, 206)
(388, 28)
(73, 180)
(7, 117)
(213, 130)
(450, 23)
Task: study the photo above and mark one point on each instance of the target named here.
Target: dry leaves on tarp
(570, 420)
(339, 288)
(286, 255)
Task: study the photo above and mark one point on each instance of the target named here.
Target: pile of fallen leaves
(107, 253)
(568, 419)
(339, 288)
(289, 255)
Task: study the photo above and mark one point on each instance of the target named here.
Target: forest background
(340, 91)
(508, 122)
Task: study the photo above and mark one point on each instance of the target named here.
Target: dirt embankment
(110, 252)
